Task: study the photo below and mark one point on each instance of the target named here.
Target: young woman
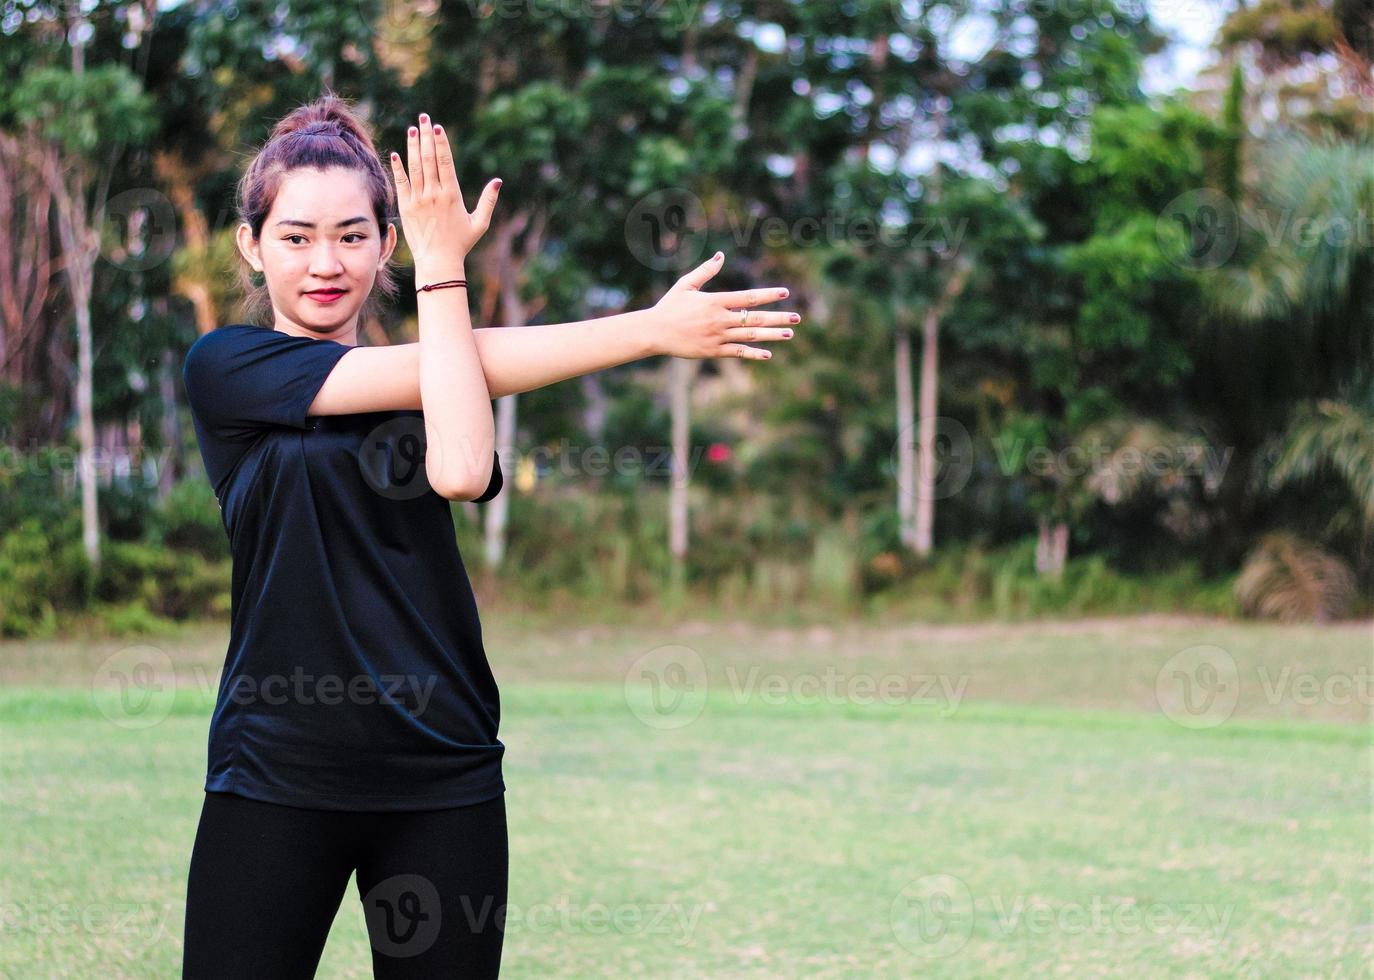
(355, 728)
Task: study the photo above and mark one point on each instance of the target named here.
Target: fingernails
(787, 333)
(413, 131)
(438, 129)
(718, 256)
(795, 318)
(767, 354)
(782, 294)
(424, 118)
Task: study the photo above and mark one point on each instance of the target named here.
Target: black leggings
(266, 881)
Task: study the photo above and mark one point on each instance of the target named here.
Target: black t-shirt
(355, 677)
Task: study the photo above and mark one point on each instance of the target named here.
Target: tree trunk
(504, 262)
(512, 315)
(79, 260)
(925, 470)
(681, 372)
(597, 407)
(498, 508)
(930, 380)
(906, 441)
(1052, 548)
(171, 425)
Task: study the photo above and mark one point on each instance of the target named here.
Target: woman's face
(320, 252)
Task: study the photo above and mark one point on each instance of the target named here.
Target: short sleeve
(494, 486)
(241, 377)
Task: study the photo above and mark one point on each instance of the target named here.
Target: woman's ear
(248, 246)
(389, 242)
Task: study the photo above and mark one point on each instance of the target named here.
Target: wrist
(438, 272)
(646, 325)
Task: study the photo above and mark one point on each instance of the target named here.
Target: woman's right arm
(686, 323)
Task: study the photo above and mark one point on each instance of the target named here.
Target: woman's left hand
(438, 227)
(691, 323)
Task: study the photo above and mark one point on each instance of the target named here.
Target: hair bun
(321, 127)
(329, 115)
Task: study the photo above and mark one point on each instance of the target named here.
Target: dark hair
(322, 134)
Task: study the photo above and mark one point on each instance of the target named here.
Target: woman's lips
(325, 297)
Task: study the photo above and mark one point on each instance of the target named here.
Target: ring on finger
(743, 315)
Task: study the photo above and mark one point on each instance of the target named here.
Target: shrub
(190, 520)
(1290, 579)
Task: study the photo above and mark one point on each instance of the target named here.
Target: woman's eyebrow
(306, 224)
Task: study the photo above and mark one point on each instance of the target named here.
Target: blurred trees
(1096, 277)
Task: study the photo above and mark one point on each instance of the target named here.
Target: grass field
(1126, 798)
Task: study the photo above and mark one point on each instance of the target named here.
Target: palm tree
(1307, 269)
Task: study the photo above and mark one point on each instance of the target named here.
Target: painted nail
(787, 333)
(795, 318)
(438, 129)
(424, 117)
(767, 354)
(414, 131)
(782, 293)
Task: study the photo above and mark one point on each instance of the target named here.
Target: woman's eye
(292, 238)
(354, 234)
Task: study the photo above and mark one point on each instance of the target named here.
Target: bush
(173, 584)
(190, 520)
(43, 573)
(1294, 580)
(132, 619)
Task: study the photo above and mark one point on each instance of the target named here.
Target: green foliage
(172, 584)
(28, 574)
(1292, 580)
(968, 582)
(190, 520)
(1077, 321)
(103, 106)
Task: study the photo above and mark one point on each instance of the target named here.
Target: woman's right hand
(689, 322)
(436, 223)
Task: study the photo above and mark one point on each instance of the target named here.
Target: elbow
(481, 487)
(478, 488)
(458, 491)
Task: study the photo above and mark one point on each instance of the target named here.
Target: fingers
(751, 297)
(702, 274)
(443, 159)
(761, 331)
(427, 158)
(481, 215)
(398, 173)
(413, 167)
(747, 353)
(756, 333)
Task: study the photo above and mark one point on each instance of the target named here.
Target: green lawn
(1027, 800)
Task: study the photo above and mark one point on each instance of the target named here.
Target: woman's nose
(324, 260)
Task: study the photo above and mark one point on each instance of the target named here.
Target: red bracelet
(443, 285)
